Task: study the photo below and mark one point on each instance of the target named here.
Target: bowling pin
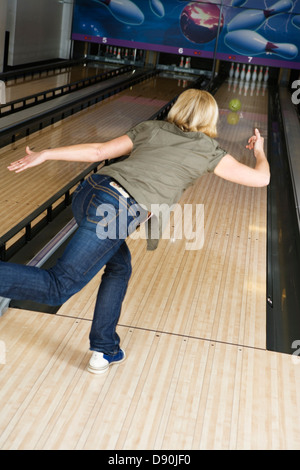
(157, 8)
(231, 71)
(119, 54)
(251, 43)
(254, 75)
(253, 19)
(237, 71)
(241, 87)
(266, 76)
(124, 11)
(243, 72)
(252, 86)
(247, 84)
(296, 21)
(248, 74)
(181, 62)
(188, 63)
(258, 87)
(260, 75)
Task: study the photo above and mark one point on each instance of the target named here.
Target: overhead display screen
(268, 36)
(265, 32)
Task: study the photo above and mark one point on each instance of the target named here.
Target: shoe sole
(95, 371)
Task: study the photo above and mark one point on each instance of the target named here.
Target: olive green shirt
(163, 163)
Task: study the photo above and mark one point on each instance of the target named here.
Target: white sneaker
(99, 362)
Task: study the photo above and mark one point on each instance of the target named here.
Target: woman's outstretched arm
(232, 170)
(75, 153)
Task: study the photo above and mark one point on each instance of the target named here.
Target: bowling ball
(199, 22)
(233, 118)
(235, 104)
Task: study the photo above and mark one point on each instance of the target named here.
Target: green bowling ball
(235, 104)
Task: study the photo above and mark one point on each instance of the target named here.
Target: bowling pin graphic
(157, 8)
(253, 19)
(251, 43)
(296, 21)
(238, 3)
(124, 11)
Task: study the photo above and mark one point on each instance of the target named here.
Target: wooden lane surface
(22, 193)
(171, 393)
(22, 87)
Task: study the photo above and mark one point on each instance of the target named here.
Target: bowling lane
(215, 290)
(25, 192)
(17, 89)
(236, 126)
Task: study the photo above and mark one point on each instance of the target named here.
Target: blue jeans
(105, 218)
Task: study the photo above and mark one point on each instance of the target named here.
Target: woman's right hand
(30, 160)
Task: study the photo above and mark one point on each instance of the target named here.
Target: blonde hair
(195, 111)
